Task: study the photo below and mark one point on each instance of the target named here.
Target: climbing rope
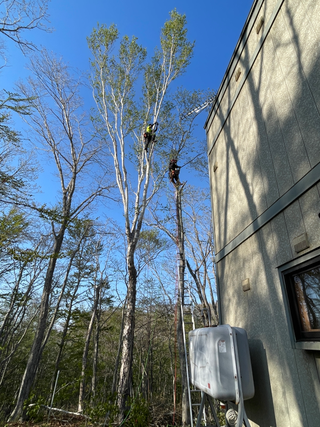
(190, 160)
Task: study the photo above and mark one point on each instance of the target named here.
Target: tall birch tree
(125, 109)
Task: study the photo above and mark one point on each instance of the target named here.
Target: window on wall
(303, 289)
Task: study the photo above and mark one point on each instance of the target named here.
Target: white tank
(213, 367)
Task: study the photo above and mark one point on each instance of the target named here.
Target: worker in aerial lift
(174, 171)
(150, 134)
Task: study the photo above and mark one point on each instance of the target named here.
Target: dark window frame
(292, 300)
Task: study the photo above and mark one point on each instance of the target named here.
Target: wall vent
(238, 74)
(259, 25)
(246, 285)
(300, 243)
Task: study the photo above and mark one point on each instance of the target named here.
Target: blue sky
(214, 25)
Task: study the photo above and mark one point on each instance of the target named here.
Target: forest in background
(89, 315)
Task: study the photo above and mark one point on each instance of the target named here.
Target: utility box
(213, 362)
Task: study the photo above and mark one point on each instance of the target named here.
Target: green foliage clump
(32, 408)
(12, 225)
(104, 412)
(139, 413)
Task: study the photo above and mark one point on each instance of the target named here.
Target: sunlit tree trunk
(128, 335)
(86, 348)
(95, 357)
(116, 366)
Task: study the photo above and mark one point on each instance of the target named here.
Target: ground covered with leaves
(158, 417)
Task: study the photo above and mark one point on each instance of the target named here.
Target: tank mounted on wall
(216, 356)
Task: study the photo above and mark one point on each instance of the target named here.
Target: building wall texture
(263, 136)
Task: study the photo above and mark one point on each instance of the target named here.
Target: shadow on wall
(272, 355)
(260, 407)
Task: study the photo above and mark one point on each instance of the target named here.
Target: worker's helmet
(174, 161)
(150, 124)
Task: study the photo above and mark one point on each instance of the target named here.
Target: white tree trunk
(86, 350)
(128, 337)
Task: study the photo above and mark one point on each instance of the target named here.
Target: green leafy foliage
(150, 240)
(12, 102)
(174, 38)
(139, 413)
(12, 224)
(32, 408)
(105, 413)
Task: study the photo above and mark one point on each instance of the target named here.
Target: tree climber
(174, 171)
(150, 134)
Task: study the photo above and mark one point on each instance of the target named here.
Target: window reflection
(307, 289)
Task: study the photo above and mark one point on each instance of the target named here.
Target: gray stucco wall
(263, 136)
